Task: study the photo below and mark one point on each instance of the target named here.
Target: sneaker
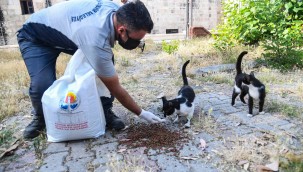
(34, 128)
(112, 121)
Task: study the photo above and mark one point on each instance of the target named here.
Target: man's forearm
(112, 83)
(127, 101)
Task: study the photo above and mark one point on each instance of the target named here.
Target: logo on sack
(70, 102)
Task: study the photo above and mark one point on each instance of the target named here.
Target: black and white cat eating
(183, 104)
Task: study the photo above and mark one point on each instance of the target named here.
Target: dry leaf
(269, 167)
(261, 142)
(189, 158)
(121, 150)
(126, 127)
(124, 140)
(262, 168)
(2, 126)
(217, 152)
(246, 166)
(238, 124)
(284, 151)
(243, 162)
(9, 150)
(273, 166)
(202, 144)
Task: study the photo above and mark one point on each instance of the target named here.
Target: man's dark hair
(135, 16)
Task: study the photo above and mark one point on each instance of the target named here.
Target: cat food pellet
(153, 136)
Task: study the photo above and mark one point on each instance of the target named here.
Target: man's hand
(150, 117)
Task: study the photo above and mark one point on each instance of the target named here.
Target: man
(92, 26)
(142, 42)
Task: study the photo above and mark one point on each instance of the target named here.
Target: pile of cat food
(153, 136)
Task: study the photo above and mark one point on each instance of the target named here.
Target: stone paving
(105, 153)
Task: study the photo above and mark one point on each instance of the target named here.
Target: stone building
(170, 17)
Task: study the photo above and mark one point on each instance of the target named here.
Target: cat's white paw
(261, 113)
(176, 120)
(249, 115)
(187, 125)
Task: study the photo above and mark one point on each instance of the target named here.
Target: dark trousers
(40, 61)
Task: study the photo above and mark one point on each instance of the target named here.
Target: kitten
(248, 84)
(256, 91)
(183, 104)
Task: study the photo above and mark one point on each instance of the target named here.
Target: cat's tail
(185, 82)
(239, 61)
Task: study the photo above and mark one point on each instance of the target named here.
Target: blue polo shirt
(84, 24)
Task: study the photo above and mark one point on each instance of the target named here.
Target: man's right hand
(150, 117)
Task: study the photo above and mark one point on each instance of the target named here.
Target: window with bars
(27, 6)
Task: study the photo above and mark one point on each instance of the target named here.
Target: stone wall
(166, 14)
(13, 18)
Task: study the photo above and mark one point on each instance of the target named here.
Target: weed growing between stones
(285, 109)
(39, 144)
(205, 122)
(129, 163)
(252, 149)
(6, 136)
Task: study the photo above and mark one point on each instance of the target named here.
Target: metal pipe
(187, 18)
(2, 36)
(191, 12)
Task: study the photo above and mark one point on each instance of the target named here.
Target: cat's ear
(252, 73)
(164, 100)
(247, 78)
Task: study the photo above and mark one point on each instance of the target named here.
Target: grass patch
(7, 140)
(15, 81)
(6, 136)
(128, 164)
(219, 78)
(39, 144)
(205, 122)
(9, 55)
(285, 109)
(291, 163)
(270, 76)
(61, 64)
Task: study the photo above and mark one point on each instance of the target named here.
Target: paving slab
(54, 162)
(56, 148)
(78, 164)
(106, 153)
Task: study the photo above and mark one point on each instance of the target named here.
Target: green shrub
(170, 47)
(275, 25)
(284, 61)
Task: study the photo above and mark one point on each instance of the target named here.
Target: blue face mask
(130, 44)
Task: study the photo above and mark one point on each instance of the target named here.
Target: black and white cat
(248, 84)
(183, 104)
(239, 87)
